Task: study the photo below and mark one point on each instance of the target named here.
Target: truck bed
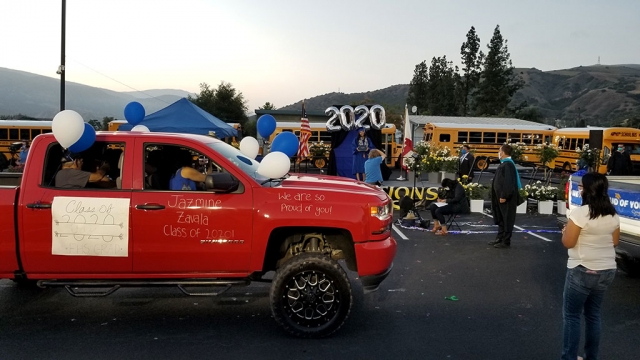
(10, 178)
(8, 254)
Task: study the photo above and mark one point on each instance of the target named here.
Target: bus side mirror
(222, 182)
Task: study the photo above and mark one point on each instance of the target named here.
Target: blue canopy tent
(183, 116)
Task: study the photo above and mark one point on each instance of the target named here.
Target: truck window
(99, 167)
(163, 162)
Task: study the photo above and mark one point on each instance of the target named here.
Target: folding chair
(451, 221)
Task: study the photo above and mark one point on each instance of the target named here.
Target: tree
(105, 122)
(441, 87)
(418, 87)
(97, 125)
(225, 102)
(530, 113)
(472, 59)
(498, 82)
(267, 106)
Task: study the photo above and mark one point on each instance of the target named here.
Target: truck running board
(96, 288)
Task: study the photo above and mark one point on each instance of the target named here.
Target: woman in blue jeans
(591, 234)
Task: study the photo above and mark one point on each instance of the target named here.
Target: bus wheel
(320, 162)
(482, 163)
(566, 167)
(4, 163)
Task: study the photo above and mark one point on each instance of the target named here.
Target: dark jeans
(438, 213)
(583, 290)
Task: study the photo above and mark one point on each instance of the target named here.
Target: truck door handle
(39, 206)
(150, 207)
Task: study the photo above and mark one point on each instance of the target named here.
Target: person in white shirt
(592, 233)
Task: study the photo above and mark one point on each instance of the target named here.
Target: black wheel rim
(311, 299)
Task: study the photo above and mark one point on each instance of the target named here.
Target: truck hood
(331, 184)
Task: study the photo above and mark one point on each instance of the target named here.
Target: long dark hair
(595, 193)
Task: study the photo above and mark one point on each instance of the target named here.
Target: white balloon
(140, 128)
(67, 127)
(249, 147)
(275, 165)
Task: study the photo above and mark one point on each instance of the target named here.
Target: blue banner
(626, 202)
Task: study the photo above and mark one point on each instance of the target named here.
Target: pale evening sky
(283, 51)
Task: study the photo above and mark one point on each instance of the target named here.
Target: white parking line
(522, 229)
(403, 236)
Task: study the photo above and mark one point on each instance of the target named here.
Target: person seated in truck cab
(185, 177)
(72, 176)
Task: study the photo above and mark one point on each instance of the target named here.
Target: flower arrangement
(540, 192)
(450, 164)
(517, 151)
(318, 149)
(475, 191)
(523, 193)
(588, 157)
(546, 152)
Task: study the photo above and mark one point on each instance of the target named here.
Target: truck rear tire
(311, 296)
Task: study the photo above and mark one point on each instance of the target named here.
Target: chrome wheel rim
(311, 299)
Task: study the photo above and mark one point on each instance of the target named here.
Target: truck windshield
(248, 166)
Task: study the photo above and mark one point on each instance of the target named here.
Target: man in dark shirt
(620, 162)
(71, 175)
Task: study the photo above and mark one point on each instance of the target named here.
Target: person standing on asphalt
(504, 197)
(620, 162)
(592, 233)
(465, 166)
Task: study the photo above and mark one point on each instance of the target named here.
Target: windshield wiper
(275, 179)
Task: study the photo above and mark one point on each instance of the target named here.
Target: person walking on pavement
(591, 234)
(620, 162)
(465, 166)
(504, 197)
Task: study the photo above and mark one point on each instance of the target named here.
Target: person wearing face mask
(465, 166)
(620, 162)
(504, 197)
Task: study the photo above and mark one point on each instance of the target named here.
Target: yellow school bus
(486, 138)
(319, 133)
(115, 124)
(569, 140)
(14, 131)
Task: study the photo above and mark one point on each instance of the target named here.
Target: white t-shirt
(594, 249)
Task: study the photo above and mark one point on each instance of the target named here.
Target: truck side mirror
(222, 182)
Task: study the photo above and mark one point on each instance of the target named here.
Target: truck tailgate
(8, 256)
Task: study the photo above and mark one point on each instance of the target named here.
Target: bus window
(287, 130)
(297, 132)
(46, 131)
(580, 143)
(4, 134)
(475, 137)
(445, 137)
(24, 134)
(527, 138)
(571, 143)
(489, 138)
(13, 134)
(537, 139)
(547, 139)
(35, 132)
(463, 136)
(325, 136)
(514, 138)
(502, 138)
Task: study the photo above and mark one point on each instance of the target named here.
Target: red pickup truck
(132, 230)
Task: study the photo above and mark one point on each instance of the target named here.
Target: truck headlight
(381, 211)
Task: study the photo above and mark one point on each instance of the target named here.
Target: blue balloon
(134, 113)
(286, 142)
(266, 126)
(86, 140)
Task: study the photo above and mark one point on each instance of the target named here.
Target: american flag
(305, 134)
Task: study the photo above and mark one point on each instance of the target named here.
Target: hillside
(39, 97)
(600, 94)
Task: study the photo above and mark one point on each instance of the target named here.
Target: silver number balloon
(378, 117)
(333, 124)
(360, 120)
(347, 118)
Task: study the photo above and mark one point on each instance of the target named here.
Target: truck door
(187, 231)
(83, 230)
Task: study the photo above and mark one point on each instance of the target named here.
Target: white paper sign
(84, 226)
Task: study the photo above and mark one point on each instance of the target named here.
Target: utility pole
(61, 69)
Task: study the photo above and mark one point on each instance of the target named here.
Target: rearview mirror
(222, 182)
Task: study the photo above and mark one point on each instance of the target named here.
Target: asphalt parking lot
(508, 307)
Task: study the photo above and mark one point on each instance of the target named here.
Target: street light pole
(61, 69)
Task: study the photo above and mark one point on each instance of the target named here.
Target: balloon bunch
(134, 113)
(276, 164)
(72, 132)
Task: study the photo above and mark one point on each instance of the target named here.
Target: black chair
(451, 221)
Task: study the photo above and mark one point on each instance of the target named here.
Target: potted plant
(589, 158)
(547, 154)
(476, 194)
(544, 195)
(561, 201)
(522, 208)
(450, 167)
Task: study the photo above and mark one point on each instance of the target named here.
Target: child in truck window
(72, 176)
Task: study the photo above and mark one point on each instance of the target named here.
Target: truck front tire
(311, 296)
